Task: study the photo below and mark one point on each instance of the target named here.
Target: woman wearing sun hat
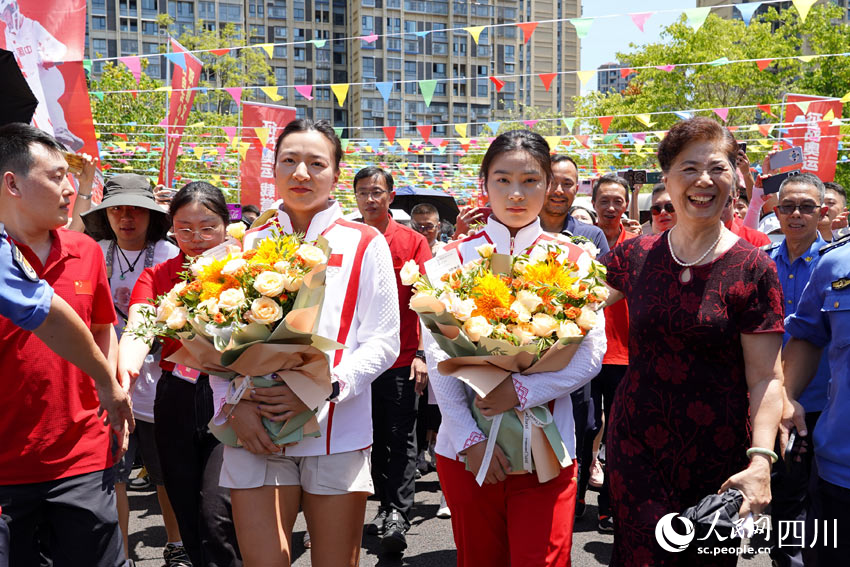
(131, 229)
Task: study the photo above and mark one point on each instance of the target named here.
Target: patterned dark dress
(679, 422)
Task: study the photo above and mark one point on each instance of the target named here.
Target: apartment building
(730, 12)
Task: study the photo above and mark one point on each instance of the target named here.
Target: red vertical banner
(183, 82)
(256, 173)
(810, 127)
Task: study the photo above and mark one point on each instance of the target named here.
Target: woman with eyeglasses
(662, 210)
(698, 409)
(190, 456)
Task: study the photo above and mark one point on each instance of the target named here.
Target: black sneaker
(176, 556)
(394, 540)
(376, 526)
(606, 524)
(580, 508)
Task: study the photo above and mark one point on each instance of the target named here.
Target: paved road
(430, 538)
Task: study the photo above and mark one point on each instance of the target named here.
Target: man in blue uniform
(822, 320)
(801, 207)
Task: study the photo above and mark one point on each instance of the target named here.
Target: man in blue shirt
(800, 209)
(822, 320)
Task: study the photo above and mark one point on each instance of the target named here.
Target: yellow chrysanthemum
(273, 250)
(549, 274)
(213, 282)
(490, 293)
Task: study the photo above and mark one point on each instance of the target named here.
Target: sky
(609, 35)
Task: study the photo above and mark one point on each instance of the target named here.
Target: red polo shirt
(406, 244)
(49, 428)
(751, 235)
(155, 281)
(617, 321)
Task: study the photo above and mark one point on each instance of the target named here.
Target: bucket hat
(124, 190)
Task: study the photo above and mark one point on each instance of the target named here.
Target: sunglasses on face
(805, 209)
(656, 209)
(425, 227)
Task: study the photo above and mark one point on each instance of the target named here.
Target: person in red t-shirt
(610, 199)
(736, 225)
(56, 457)
(394, 392)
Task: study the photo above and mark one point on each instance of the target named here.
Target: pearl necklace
(685, 276)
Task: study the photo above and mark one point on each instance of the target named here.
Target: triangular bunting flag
(665, 68)
(547, 79)
(389, 132)
(721, 61)
(683, 115)
(268, 48)
(640, 19)
(374, 143)
(371, 38)
(583, 140)
(87, 65)
(846, 98)
(582, 26)
(645, 119)
(723, 113)
(344, 143)
(585, 76)
(803, 105)
(626, 71)
(220, 52)
(135, 65)
(747, 10)
(178, 59)
(527, 29)
(461, 129)
(530, 123)
(385, 88)
(425, 131)
(236, 93)
(765, 129)
(553, 141)
(763, 63)
(305, 90)
(437, 142)
(475, 32)
(828, 116)
(262, 135)
(338, 132)
(568, 123)
(272, 93)
(98, 95)
(426, 87)
(421, 33)
(230, 132)
(341, 91)
(319, 43)
(243, 149)
(803, 7)
(695, 17)
(404, 143)
(605, 122)
(494, 127)
(500, 84)
(806, 58)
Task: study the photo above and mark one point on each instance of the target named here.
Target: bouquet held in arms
(498, 315)
(251, 317)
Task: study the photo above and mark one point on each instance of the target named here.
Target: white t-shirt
(144, 390)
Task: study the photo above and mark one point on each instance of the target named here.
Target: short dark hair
(425, 209)
(838, 189)
(697, 129)
(305, 125)
(658, 188)
(370, 172)
(558, 158)
(804, 178)
(514, 140)
(204, 193)
(251, 209)
(610, 178)
(15, 151)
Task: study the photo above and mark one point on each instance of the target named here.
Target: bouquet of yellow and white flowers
(252, 316)
(501, 314)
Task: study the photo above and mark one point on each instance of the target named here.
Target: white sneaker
(597, 475)
(443, 512)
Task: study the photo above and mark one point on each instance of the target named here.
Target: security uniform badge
(840, 284)
(22, 263)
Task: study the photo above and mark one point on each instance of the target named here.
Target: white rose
(281, 266)
(589, 247)
(270, 284)
(165, 309)
(178, 319)
(600, 292)
(477, 327)
(292, 281)
(264, 311)
(236, 230)
(523, 335)
(588, 319)
(568, 329)
(234, 266)
(207, 307)
(486, 250)
(311, 255)
(409, 272)
(529, 300)
(523, 314)
(462, 309)
(538, 254)
(231, 299)
(200, 264)
(543, 325)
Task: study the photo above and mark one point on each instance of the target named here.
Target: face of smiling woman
(305, 172)
(699, 182)
(516, 186)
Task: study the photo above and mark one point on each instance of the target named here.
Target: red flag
(527, 29)
(220, 52)
(183, 84)
(547, 79)
(499, 84)
(605, 121)
(766, 108)
(256, 171)
(425, 130)
(626, 71)
(389, 132)
(763, 63)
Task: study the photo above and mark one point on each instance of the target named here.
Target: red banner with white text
(261, 125)
(810, 120)
(183, 82)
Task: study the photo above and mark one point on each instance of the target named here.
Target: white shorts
(328, 475)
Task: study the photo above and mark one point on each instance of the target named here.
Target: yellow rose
(165, 309)
(523, 314)
(178, 319)
(270, 284)
(311, 255)
(236, 230)
(264, 311)
(486, 250)
(409, 272)
(543, 325)
(477, 327)
(588, 319)
(231, 299)
(234, 267)
(568, 329)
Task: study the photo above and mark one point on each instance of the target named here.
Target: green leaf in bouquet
(488, 347)
(291, 430)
